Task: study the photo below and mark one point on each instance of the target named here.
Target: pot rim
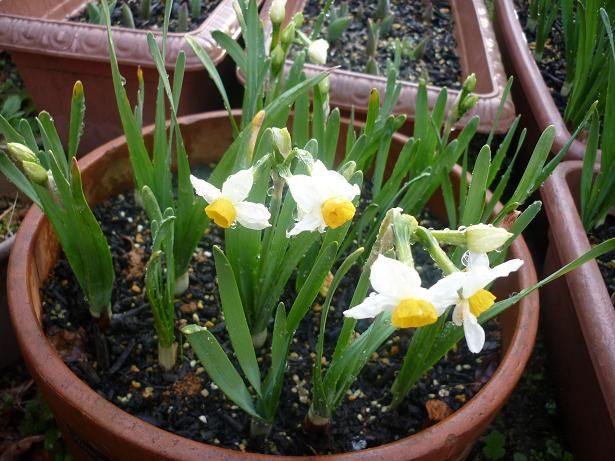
(76, 40)
(585, 283)
(533, 84)
(40, 355)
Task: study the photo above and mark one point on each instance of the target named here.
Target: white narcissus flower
(398, 290)
(473, 299)
(483, 238)
(317, 51)
(229, 205)
(323, 198)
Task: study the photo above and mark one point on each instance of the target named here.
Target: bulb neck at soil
(181, 283)
(259, 429)
(258, 339)
(167, 356)
(315, 423)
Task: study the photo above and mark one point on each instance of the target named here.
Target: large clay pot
(51, 53)
(96, 429)
(579, 323)
(478, 53)
(530, 92)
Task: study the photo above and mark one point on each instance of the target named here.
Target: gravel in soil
(606, 262)
(154, 22)
(186, 402)
(439, 64)
(553, 63)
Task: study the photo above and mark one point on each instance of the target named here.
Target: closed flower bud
(288, 35)
(483, 238)
(468, 103)
(470, 83)
(298, 19)
(282, 141)
(277, 59)
(324, 85)
(317, 51)
(21, 153)
(35, 173)
(277, 12)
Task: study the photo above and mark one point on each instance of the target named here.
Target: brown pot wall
(530, 92)
(478, 53)
(579, 324)
(51, 53)
(9, 352)
(97, 430)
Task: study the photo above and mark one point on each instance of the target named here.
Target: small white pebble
(203, 419)
(443, 393)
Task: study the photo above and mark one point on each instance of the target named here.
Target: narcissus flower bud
(282, 140)
(483, 238)
(277, 12)
(470, 83)
(35, 172)
(317, 51)
(288, 35)
(21, 153)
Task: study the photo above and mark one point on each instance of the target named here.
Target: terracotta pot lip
(89, 41)
(544, 108)
(42, 355)
(593, 307)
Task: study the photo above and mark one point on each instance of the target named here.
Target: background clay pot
(96, 429)
(9, 352)
(530, 92)
(478, 52)
(51, 53)
(579, 324)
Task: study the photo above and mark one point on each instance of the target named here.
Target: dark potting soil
(154, 22)
(553, 63)
(606, 262)
(185, 401)
(439, 65)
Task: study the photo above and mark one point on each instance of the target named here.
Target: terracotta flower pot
(530, 92)
(579, 324)
(51, 53)
(478, 53)
(96, 429)
(9, 352)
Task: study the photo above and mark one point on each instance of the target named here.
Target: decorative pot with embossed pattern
(51, 53)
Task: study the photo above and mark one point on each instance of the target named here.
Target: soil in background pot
(439, 64)
(154, 22)
(186, 402)
(553, 63)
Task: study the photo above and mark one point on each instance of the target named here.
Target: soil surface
(155, 21)
(439, 64)
(186, 402)
(606, 262)
(553, 63)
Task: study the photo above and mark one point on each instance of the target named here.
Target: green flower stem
(450, 237)
(435, 251)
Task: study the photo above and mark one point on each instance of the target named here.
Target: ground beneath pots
(12, 210)
(553, 63)
(186, 402)
(606, 262)
(154, 22)
(439, 64)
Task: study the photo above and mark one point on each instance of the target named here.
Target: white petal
(304, 192)
(373, 305)
(480, 277)
(458, 313)
(445, 291)
(237, 186)
(476, 260)
(330, 183)
(206, 190)
(317, 51)
(309, 222)
(253, 215)
(393, 278)
(475, 335)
